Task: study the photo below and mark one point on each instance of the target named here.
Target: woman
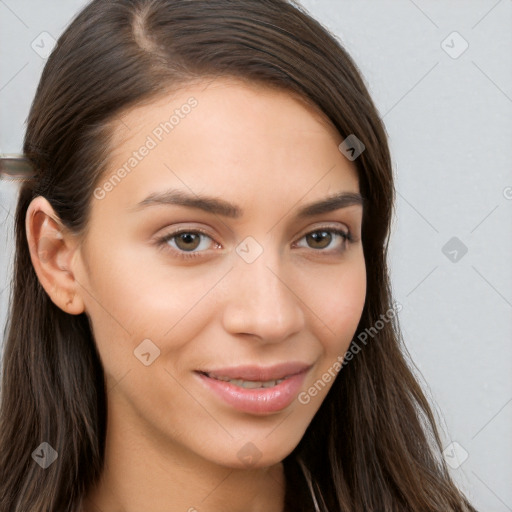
(261, 367)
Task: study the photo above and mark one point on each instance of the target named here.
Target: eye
(185, 241)
(323, 237)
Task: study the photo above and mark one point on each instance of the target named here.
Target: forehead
(227, 137)
(222, 104)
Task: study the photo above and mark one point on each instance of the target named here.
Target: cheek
(117, 288)
(348, 302)
(126, 289)
(340, 307)
(337, 305)
(129, 302)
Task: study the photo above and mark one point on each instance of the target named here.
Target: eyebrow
(222, 207)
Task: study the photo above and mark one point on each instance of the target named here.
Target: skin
(172, 445)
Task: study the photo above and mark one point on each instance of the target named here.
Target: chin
(256, 454)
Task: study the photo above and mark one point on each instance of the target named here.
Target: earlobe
(51, 250)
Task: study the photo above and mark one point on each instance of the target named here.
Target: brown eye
(319, 239)
(322, 238)
(187, 241)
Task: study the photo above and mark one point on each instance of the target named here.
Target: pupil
(318, 235)
(188, 238)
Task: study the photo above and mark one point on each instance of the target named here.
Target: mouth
(256, 390)
(257, 373)
(247, 384)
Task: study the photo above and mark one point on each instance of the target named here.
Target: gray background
(449, 123)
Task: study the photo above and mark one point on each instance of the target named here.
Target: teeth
(249, 384)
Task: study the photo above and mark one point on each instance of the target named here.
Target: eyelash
(162, 241)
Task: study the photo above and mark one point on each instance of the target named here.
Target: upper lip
(259, 373)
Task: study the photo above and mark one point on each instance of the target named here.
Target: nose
(261, 301)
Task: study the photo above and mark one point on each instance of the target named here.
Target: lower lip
(258, 400)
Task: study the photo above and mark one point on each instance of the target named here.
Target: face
(221, 305)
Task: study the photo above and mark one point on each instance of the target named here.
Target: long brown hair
(373, 445)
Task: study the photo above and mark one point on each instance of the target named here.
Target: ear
(51, 249)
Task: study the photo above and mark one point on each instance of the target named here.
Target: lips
(257, 373)
(256, 390)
